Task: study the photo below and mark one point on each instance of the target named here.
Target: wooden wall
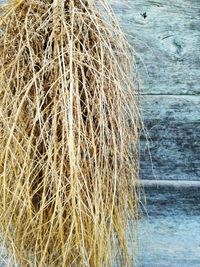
(166, 37)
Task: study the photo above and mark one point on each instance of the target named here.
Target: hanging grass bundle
(69, 134)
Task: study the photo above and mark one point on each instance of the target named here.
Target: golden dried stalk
(69, 134)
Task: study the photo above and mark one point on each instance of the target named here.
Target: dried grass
(69, 134)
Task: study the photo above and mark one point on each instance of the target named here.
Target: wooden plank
(166, 36)
(179, 184)
(173, 124)
(170, 232)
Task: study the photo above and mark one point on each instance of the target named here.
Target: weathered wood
(173, 124)
(166, 36)
(170, 234)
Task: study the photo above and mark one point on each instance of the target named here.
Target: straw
(69, 134)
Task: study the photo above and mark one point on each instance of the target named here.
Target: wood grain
(173, 124)
(166, 37)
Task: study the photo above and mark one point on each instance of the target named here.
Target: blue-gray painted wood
(173, 124)
(170, 236)
(166, 36)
